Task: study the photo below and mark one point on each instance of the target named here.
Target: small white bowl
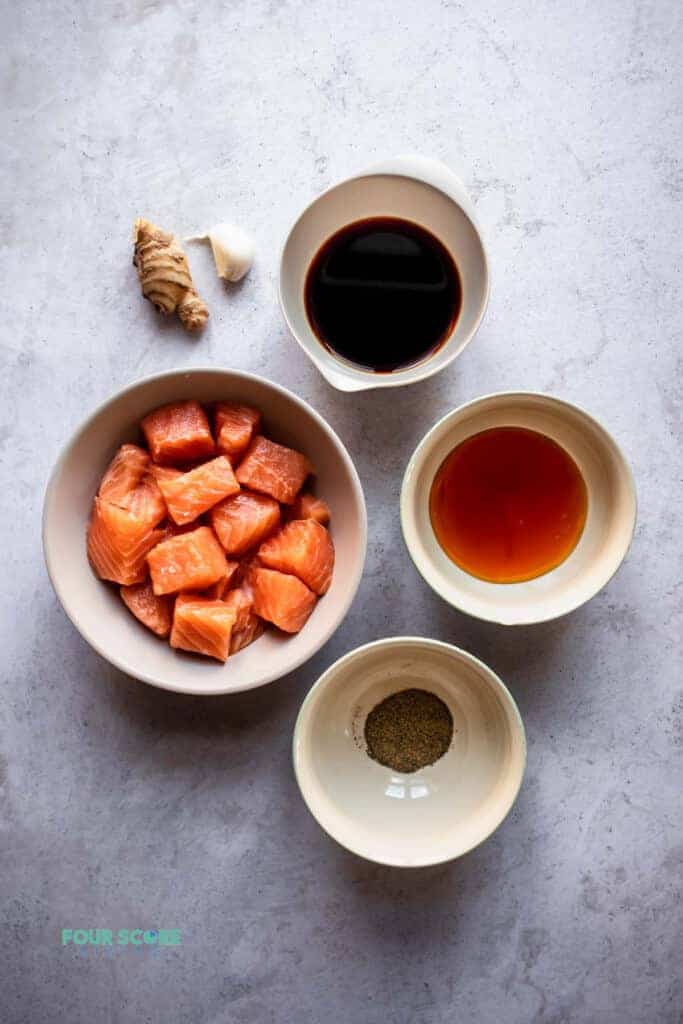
(417, 189)
(606, 536)
(429, 816)
(96, 609)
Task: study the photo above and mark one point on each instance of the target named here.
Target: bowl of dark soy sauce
(383, 294)
(384, 278)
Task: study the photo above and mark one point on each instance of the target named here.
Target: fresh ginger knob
(165, 276)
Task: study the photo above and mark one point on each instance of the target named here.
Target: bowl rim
(119, 661)
(423, 447)
(366, 379)
(459, 654)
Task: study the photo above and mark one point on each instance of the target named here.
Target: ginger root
(165, 276)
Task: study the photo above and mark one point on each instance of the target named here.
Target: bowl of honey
(518, 507)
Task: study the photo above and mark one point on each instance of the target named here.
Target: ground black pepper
(409, 730)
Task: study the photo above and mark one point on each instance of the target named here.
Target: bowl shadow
(424, 908)
(150, 710)
(390, 421)
(507, 649)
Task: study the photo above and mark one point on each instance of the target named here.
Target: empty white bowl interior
(95, 607)
(601, 548)
(428, 816)
(384, 195)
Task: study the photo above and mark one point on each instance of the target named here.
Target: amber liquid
(383, 293)
(508, 504)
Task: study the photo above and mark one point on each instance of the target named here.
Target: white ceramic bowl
(420, 190)
(95, 608)
(606, 536)
(429, 816)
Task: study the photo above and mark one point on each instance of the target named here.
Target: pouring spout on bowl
(348, 382)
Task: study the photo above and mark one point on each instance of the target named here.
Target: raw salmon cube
(273, 469)
(124, 473)
(130, 484)
(154, 612)
(303, 548)
(281, 599)
(220, 588)
(244, 520)
(249, 562)
(248, 627)
(202, 626)
(188, 561)
(170, 529)
(190, 494)
(307, 506)
(164, 473)
(146, 501)
(248, 634)
(178, 432)
(118, 543)
(235, 425)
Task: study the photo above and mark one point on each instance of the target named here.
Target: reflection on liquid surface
(399, 788)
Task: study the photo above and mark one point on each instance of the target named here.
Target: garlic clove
(232, 248)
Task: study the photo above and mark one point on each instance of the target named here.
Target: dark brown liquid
(383, 293)
(508, 504)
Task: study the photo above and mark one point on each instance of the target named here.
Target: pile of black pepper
(409, 730)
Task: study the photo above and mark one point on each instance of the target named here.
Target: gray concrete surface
(125, 807)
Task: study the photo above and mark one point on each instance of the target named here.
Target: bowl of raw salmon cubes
(205, 531)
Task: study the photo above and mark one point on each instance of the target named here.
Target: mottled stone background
(123, 806)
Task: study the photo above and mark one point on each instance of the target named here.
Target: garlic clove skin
(232, 248)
